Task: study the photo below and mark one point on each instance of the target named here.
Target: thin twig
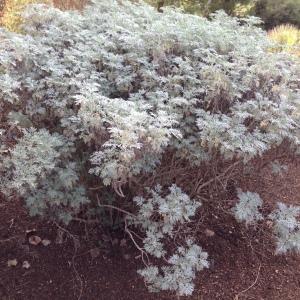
(126, 228)
(136, 244)
(85, 221)
(10, 239)
(217, 177)
(75, 243)
(116, 208)
(251, 286)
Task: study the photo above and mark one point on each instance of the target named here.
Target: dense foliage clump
(101, 100)
(287, 38)
(287, 224)
(247, 209)
(161, 217)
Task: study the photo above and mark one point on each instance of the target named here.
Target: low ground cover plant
(122, 100)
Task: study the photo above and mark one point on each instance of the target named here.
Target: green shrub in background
(272, 12)
(244, 9)
(189, 6)
(205, 7)
(231, 7)
(276, 12)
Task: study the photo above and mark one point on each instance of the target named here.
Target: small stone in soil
(209, 232)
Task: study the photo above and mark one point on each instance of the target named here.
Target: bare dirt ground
(243, 264)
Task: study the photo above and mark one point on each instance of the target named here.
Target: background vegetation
(272, 12)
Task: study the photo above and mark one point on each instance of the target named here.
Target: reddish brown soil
(243, 264)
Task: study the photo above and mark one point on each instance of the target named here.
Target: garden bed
(243, 265)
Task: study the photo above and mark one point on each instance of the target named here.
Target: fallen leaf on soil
(46, 242)
(34, 240)
(95, 252)
(26, 265)
(12, 262)
(209, 232)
